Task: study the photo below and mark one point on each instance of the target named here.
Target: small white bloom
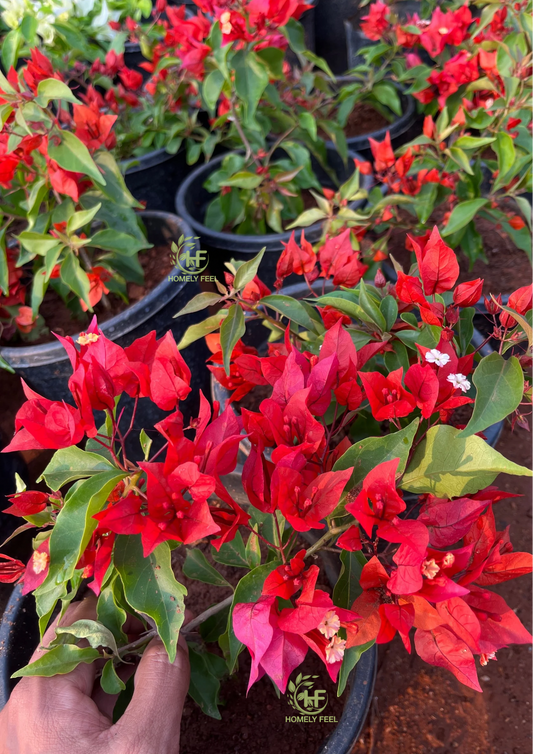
(437, 357)
(459, 381)
(330, 624)
(335, 650)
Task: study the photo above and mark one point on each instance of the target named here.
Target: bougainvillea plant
(160, 106)
(68, 220)
(408, 507)
(234, 58)
(474, 159)
(66, 30)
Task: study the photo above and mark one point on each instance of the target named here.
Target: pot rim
(117, 326)
(243, 243)
(398, 127)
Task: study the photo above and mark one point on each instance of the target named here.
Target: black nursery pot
(192, 200)
(402, 129)
(155, 177)
(46, 368)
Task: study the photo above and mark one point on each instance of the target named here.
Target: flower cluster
(430, 556)
(54, 180)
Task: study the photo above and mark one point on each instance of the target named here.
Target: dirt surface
(364, 119)
(156, 265)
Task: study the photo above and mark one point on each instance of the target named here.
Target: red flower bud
(379, 280)
(468, 294)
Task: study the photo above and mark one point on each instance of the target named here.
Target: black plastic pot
(192, 200)
(401, 130)
(46, 367)
(155, 177)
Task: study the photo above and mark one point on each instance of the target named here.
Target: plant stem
(249, 150)
(149, 635)
(327, 536)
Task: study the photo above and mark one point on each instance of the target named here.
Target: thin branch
(149, 635)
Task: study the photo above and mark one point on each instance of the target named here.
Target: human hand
(70, 714)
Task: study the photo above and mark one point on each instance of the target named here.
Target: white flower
(459, 381)
(437, 357)
(335, 650)
(330, 624)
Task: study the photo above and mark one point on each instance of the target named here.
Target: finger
(82, 677)
(156, 678)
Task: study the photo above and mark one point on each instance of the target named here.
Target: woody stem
(149, 635)
(327, 536)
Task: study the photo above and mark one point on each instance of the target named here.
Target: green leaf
(500, 386)
(28, 27)
(37, 243)
(199, 302)
(350, 660)
(389, 309)
(151, 588)
(308, 123)
(119, 242)
(272, 57)
(207, 670)
(460, 158)
(251, 80)
(58, 661)
(115, 188)
(75, 525)
(465, 328)
(54, 89)
(291, 308)
(94, 632)
(11, 44)
(308, 217)
(425, 201)
(197, 567)
(4, 270)
(473, 142)
(231, 330)
(347, 588)
(369, 453)
(75, 277)
(232, 553)
(387, 94)
(504, 148)
(195, 332)
(72, 463)
(370, 307)
(247, 590)
(211, 88)
(108, 610)
(109, 680)
(72, 154)
(244, 179)
(462, 214)
(146, 443)
(294, 32)
(247, 271)
(450, 466)
(253, 550)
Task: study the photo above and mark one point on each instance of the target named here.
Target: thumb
(154, 713)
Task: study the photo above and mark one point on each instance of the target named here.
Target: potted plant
(70, 237)
(160, 131)
(76, 31)
(314, 469)
(240, 203)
